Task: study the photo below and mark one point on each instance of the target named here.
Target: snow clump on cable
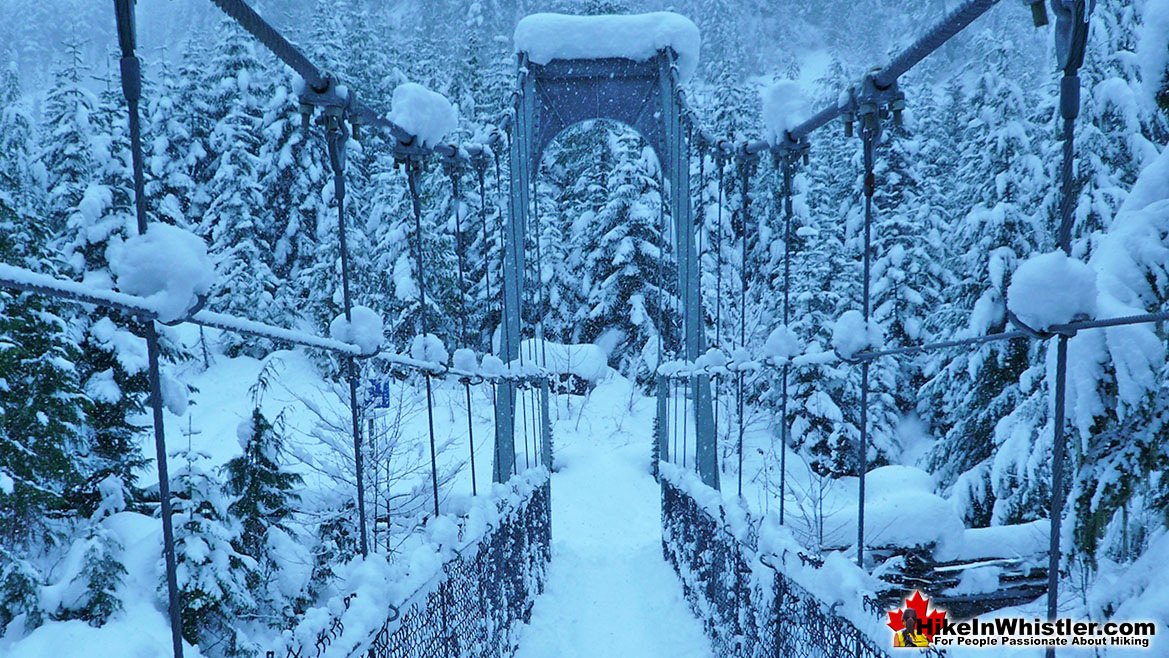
(167, 266)
(427, 115)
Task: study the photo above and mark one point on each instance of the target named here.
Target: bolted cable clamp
(871, 104)
(335, 100)
(1071, 32)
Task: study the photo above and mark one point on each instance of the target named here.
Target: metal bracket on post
(1071, 32)
(872, 104)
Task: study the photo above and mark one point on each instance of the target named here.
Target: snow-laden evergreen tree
(40, 409)
(214, 578)
(264, 494)
(94, 592)
(67, 133)
(198, 110)
(392, 266)
(1116, 397)
(337, 541)
(172, 152)
(86, 156)
(18, 172)
(626, 257)
(577, 166)
(1000, 181)
(826, 282)
(301, 229)
(295, 172)
(1113, 133)
(234, 223)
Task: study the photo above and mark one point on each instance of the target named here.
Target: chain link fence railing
(483, 592)
(750, 612)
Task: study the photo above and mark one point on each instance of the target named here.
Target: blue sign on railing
(379, 393)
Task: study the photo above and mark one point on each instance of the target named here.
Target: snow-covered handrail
(18, 278)
(381, 614)
(679, 370)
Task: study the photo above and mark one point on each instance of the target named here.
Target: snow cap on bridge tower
(639, 37)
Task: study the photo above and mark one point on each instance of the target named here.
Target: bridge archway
(645, 95)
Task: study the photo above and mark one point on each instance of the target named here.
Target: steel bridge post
(677, 169)
(519, 155)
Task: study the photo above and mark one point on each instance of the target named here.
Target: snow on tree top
(545, 37)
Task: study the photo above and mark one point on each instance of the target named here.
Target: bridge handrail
(684, 370)
(749, 606)
(18, 278)
(529, 509)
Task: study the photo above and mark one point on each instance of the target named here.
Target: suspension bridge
(613, 589)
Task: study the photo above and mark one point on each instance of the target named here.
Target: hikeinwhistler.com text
(1020, 632)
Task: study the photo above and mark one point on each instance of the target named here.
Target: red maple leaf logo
(920, 605)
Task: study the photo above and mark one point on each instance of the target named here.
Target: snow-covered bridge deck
(609, 592)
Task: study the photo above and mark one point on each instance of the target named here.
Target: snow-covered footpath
(609, 592)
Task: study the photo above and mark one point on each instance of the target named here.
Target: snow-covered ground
(609, 592)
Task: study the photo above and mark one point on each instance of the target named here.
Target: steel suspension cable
(336, 135)
(665, 426)
(533, 270)
(466, 381)
(720, 163)
(718, 289)
(934, 38)
(542, 309)
(285, 51)
(482, 175)
(131, 73)
(788, 214)
(677, 430)
(453, 173)
(869, 134)
(745, 173)
(1072, 31)
(413, 170)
